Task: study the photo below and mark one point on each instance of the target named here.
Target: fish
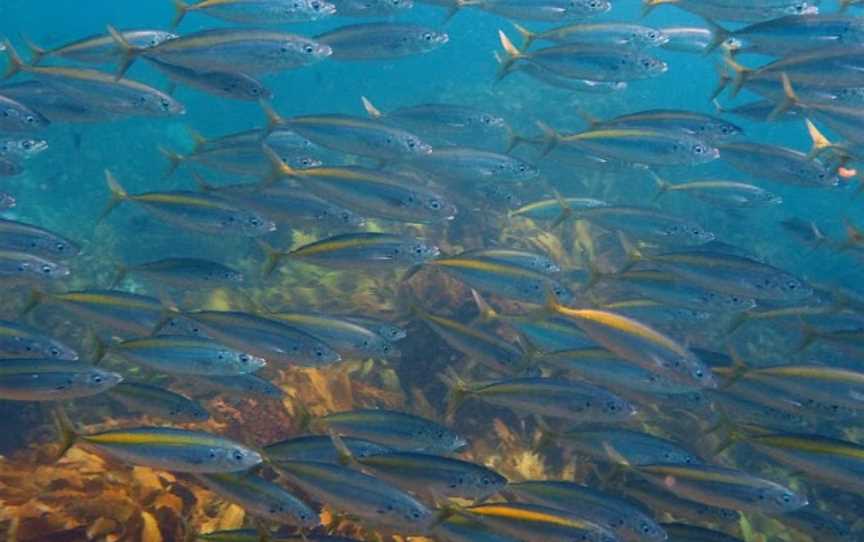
(705, 127)
(233, 85)
(732, 274)
(254, 535)
(465, 165)
(545, 11)
(373, 193)
(500, 278)
(264, 12)
(371, 250)
(499, 355)
(628, 521)
(15, 148)
(348, 338)
(99, 48)
(633, 35)
(224, 49)
(99, 90)
(178, 354)
(639, 344)
(818, 524)
(557, 398)
(667, 289)
(376, 41)
(791, 34)
(262, 337)
(723, 487)
(554, 208)
(357, 135)
(733, 11)
(10, 168)
(17, 117)
(55, 103)
(608, 444)
(447, 123)
(533, 523)
(52, 380)
(646, 224)
(434, 477)
(168, 448)
(261, 498)
(583, 61)
(183, 273)
(205, 213)
(370, 499)
(122, 312)
(690, 511)
(371, 8)
(321, 448)
(457, 528)
(834, 461)
(814, 383)
(722, 193)
(23, 341)
(21, 236)
(398, 430)
(159, 402)
(25, 267)
(386, 330)
(244, 385)
(528, 260)
(636, 146)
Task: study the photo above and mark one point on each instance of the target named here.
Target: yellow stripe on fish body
(610, 134)
(528, 515)
(820, 446)
(102, 299)
(133, 438)
(179, 199)
(334, 245)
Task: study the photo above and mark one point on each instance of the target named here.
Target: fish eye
(46, 269)
(698, 149)
(434, 204)
(308, 49)
(97, 379)
(60, 247)
(428, 36)
(26, 144)
(54, 352)
(30, 119)
(238, 455)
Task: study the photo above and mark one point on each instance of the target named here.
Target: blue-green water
(63, 189)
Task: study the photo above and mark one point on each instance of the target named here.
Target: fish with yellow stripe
(168, 448)
(534, 523)
(202, 212)
(256, 11)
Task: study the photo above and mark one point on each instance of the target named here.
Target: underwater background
(91, 496)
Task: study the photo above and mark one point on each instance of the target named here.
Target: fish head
(234, 458)
(390, 332)
(157, 38)
(44, 269)
(318, 9)
(160, 104)
(650, 66)
(192, 413)
(26, 119)
(249, 88)
(96, 380)
(439, 206)
(398, 4)
(248, 363)
(302, 516)
(252, 224)
(646, 529)
(317, 353)
(617, 408)
(23, 147)
(418, 252)
(423, 40)
(308, 50)
(649, 37)
(793, 288)
(688, 233)
(62, 248)
(412, 513)
(808, 7)
(695, 151)
(58, 350)
(302, 162)
(387, 350)
(780, 499)
(587, 8)
(491, 122)
(413, 145)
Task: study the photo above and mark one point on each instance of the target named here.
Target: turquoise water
(63, 189)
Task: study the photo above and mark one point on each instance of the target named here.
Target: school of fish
(612, 325)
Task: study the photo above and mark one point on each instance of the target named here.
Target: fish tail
(122, 271)
(35, 299)
(588, 118)
(118, 194)
(202, 183)
(663, 186)
(737, 322)
(634, 255)
(273, 257)
(718, 35)
(197, 138)
(274, 119)
(528, 37)
(738, 370)
(15, 63)
(649, 5)
(547, 437)
(741, 74)
(174, 161)
(100, 348)
(458, 390)
(550, 138)
(279, 167)
(36, 53)
(819, 143)
(487, 312)
(181, 8)
(370, 108)
(512, 54)
(723, 80)
(346, 458)
(129, 52)
(66, 432)
(790, 99)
